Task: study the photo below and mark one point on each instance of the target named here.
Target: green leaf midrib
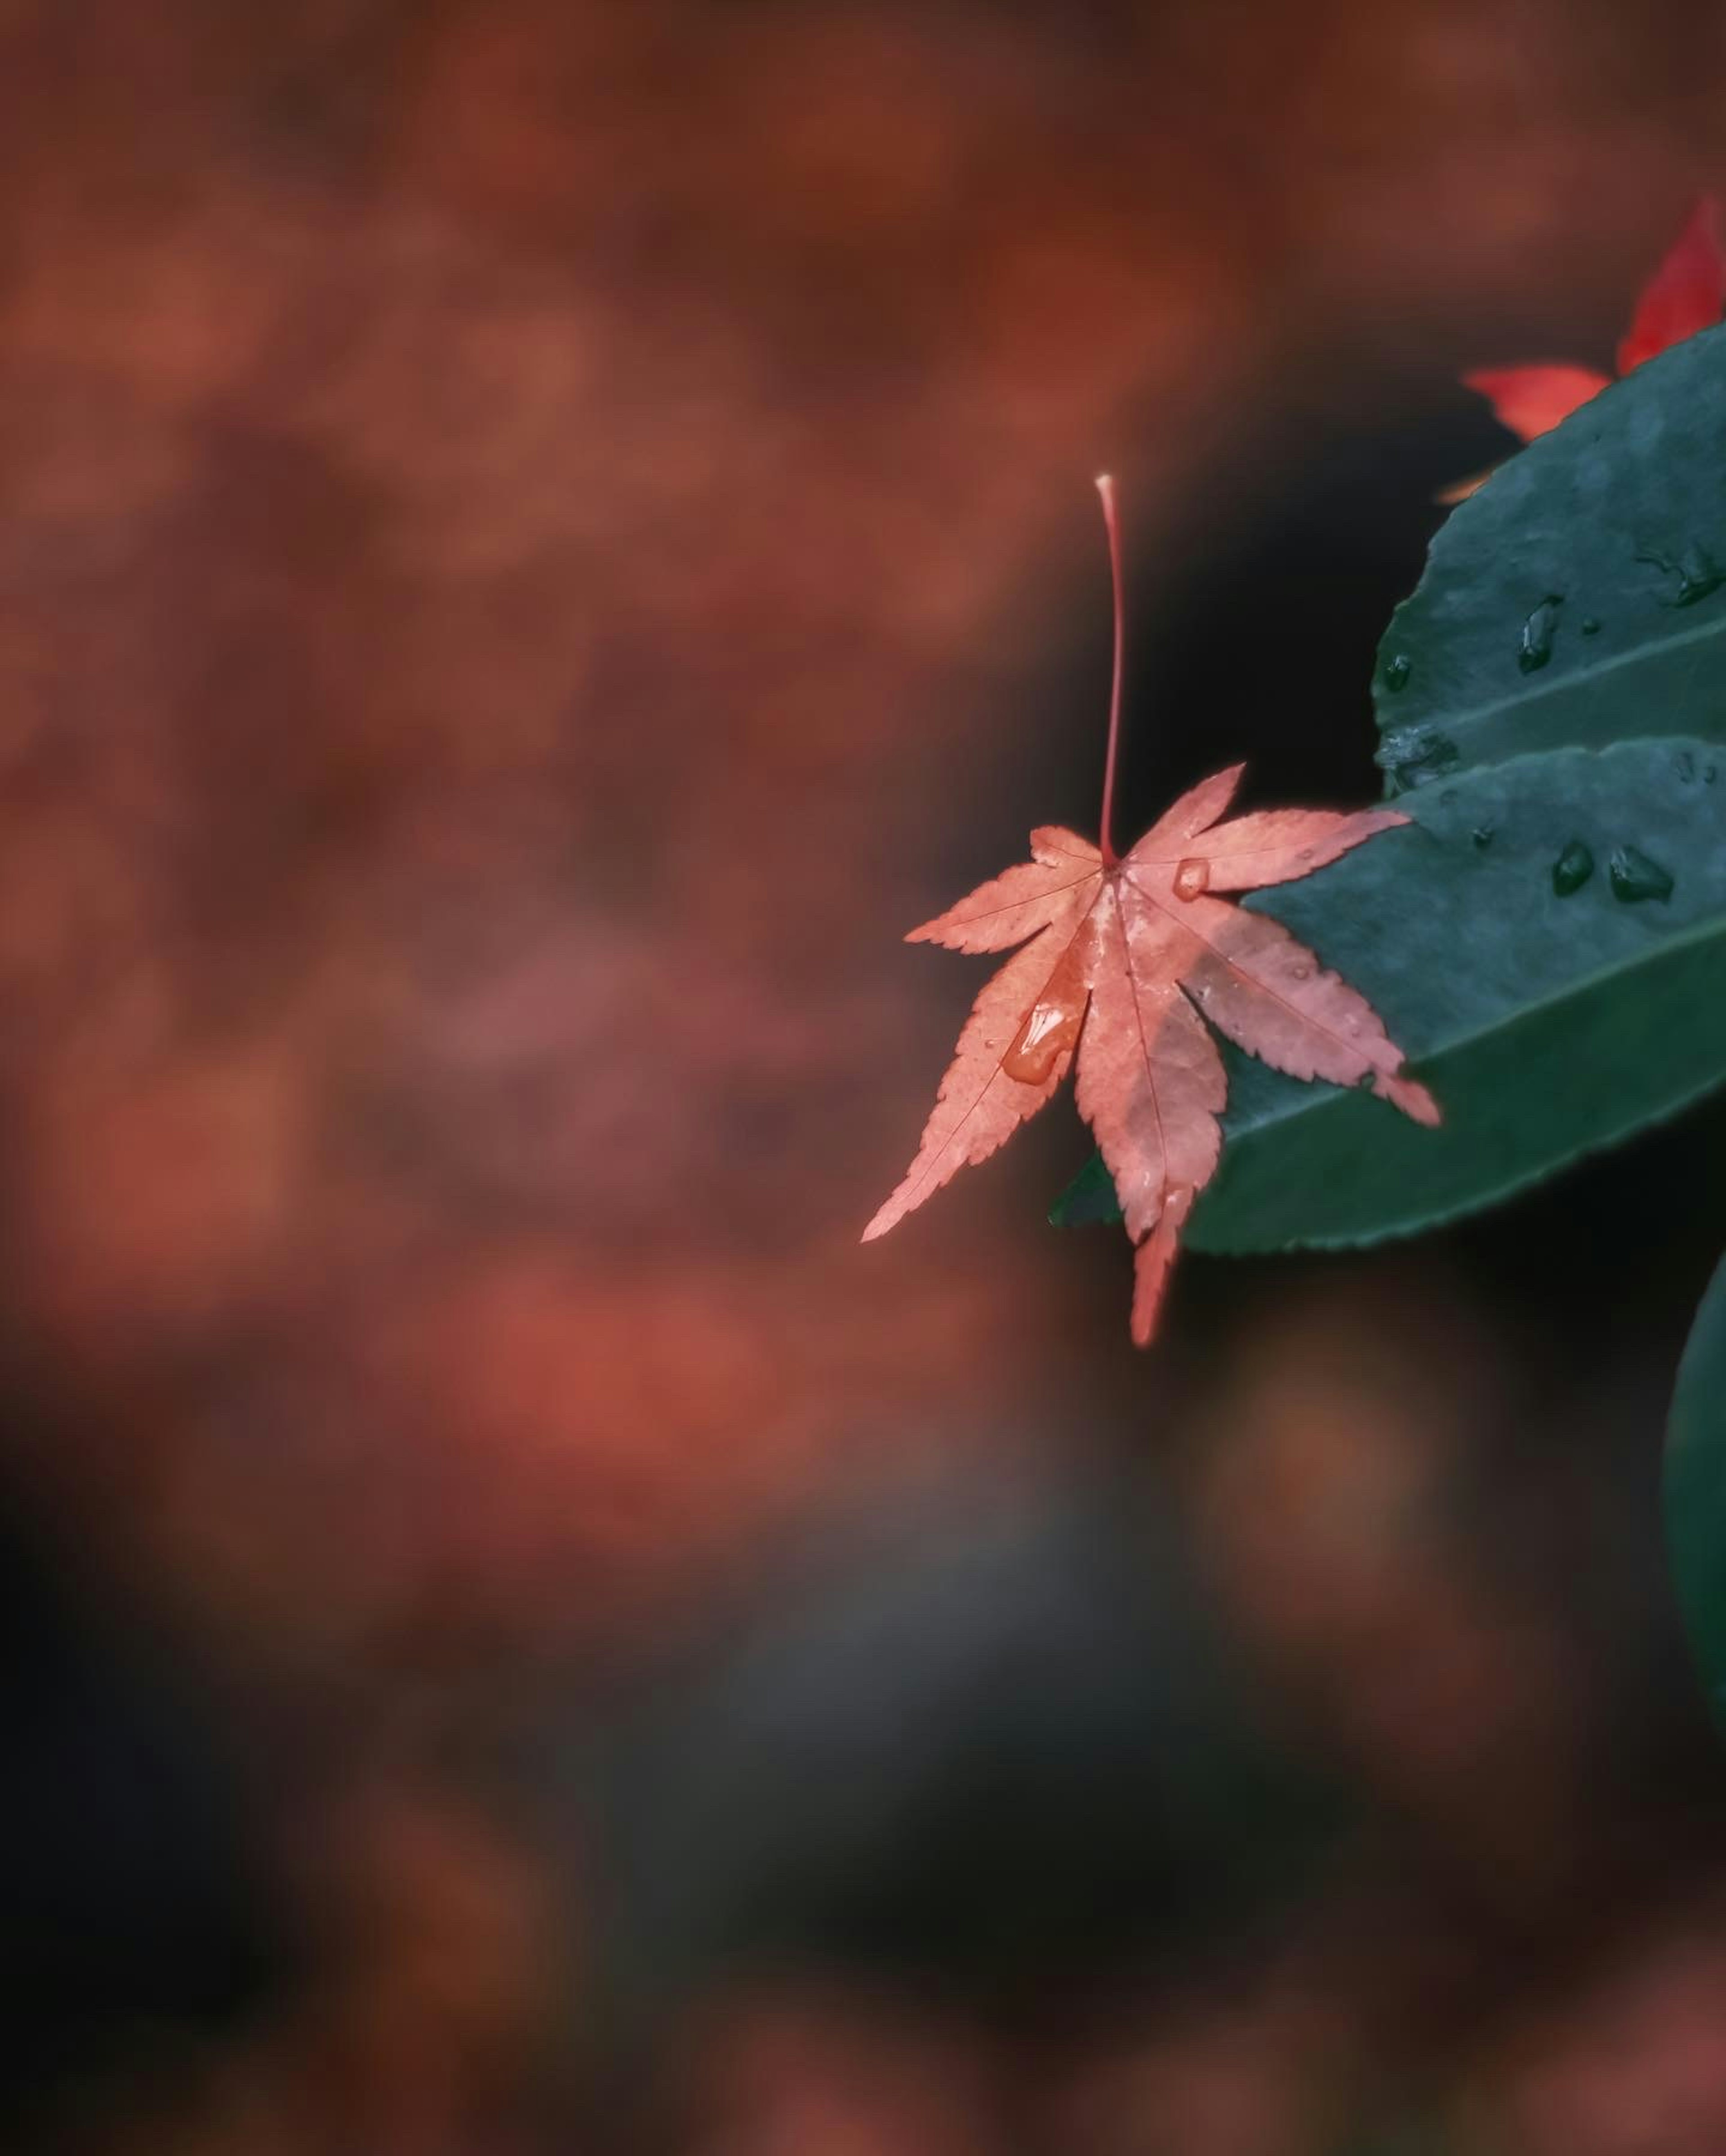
(1564, 683)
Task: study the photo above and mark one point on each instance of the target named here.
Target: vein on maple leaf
(1144, 1049)
(1184, 921)
(940, 1166)
(1134, 1070)
(1193, 815)
(1303, 839)
(991, 912)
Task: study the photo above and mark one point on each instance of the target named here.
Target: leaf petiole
(1106, 841)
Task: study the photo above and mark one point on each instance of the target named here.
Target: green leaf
(1578, 597)
(1547, 1025)
(1695, 1489)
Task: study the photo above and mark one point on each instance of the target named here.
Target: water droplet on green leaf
(1635, 877)
(1572, 869)
(1414, 756)
(1397, 672)
(1534, 647)
(1699, 573)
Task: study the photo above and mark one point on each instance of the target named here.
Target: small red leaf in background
(1686, 294)
(1532, 400)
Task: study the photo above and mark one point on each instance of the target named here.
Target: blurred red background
(537, 539)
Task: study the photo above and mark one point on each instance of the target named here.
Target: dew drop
(1191, 878)
(1572, 869)
(1699, 573)
(1591, 625)
(1301, 972)
(1635, 877)
(1397, 672)
(1534, 646)
(1413, 755)
(1050, 1029)
(1482, 835)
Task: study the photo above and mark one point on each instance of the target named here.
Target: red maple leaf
(1686, 294)
(1129, 956)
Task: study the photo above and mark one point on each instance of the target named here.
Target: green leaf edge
(1695, 1526)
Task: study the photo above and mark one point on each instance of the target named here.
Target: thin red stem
(1105, 488)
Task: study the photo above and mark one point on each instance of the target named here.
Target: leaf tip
(1413, 1098)
(887, 1215)
(1151, 1263)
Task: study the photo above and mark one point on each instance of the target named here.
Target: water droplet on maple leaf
(1049, 1031)
(1192, 878)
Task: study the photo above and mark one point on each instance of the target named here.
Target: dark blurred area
(537, 539)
